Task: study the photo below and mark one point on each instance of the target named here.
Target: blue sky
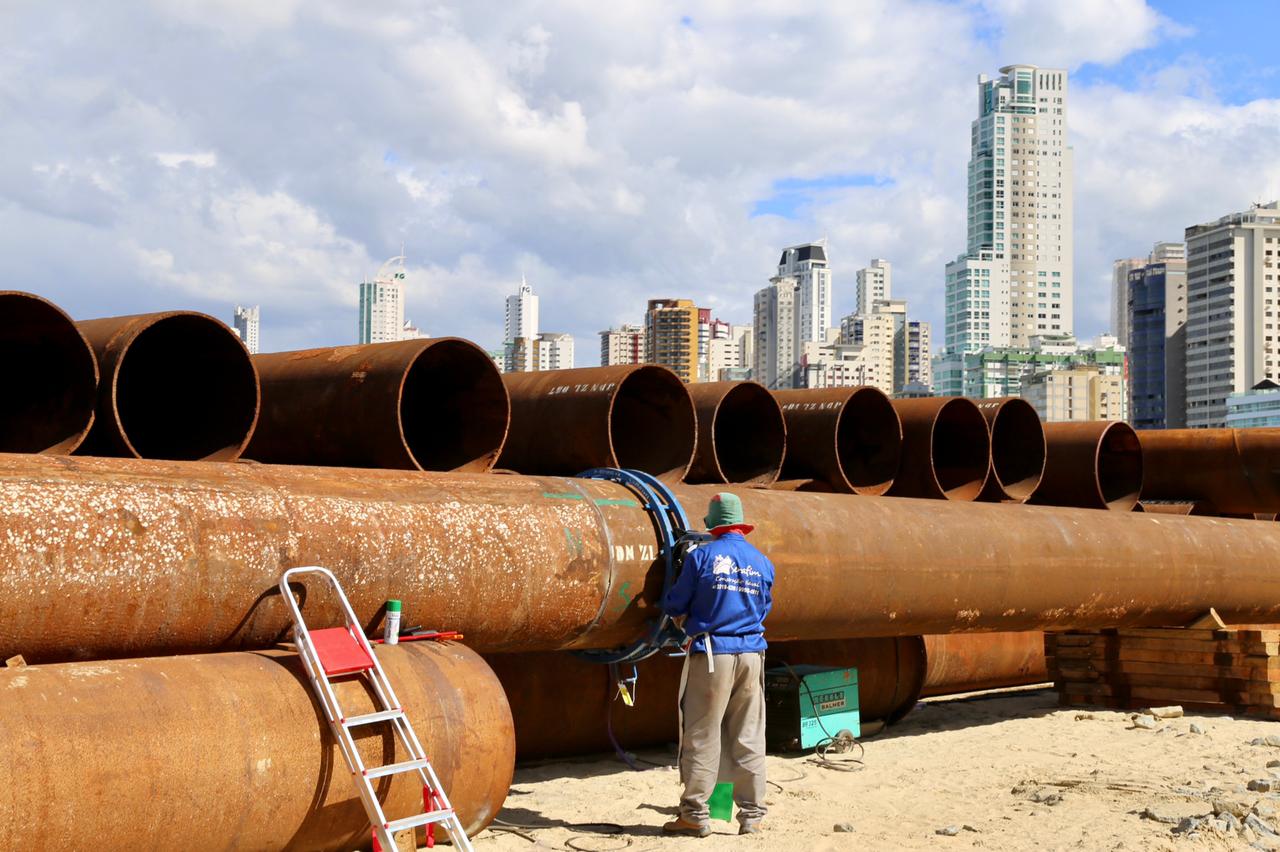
(177, 155)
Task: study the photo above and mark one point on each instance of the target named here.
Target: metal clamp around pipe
(674, 537)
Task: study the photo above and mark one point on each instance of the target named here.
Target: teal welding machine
(807, 704)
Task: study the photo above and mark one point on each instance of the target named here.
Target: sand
(976, 763)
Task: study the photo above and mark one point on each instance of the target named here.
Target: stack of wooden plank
(1234, 670)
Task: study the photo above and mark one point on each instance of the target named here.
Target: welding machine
(807, 704)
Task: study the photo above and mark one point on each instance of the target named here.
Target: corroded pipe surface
(1017, 449)
(1173, 508)
(970, 662)
(847, 440)
(525, 563)
(230, 751)
(176, 385)
(946, 449)
(1234, 470)
(566, 421)
(741, 434)
(436, 404)
(1095, 465)
(573, 718)
(50, 377)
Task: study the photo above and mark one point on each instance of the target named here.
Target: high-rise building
(1232, 309)
(919, 358)
(246, 325)
(793, 310)
(1156, 322)
(411, 332)
(873, 335)
(622, 345)
(875, 284)
(382, 304)
(1120, 270)
(521, 322)
(554, 350)
(1001, 372)
(1257, 407)
(775, 355)
(671, 336)
(1019, 213)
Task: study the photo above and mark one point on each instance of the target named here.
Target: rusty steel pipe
(1172, 508)
(230, 751)
(1017, 449)
(890, 673)
(435, 404)
(972, 662)
(175, 385)
(529, 563)
(946, 449)
(51, 377)
(847, 440)
(1234, 470)
(741, 434)
(1095, 465)
(566, 421)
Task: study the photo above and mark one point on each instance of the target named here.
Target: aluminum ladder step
(396, 768)
(372, 718)
(420, 819)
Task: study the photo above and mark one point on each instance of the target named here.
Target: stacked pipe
(542, 563)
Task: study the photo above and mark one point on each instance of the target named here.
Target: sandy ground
(1005, 770)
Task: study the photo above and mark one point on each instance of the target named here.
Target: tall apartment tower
(1120, 270)
(671, 336)
(875, 284)
(622, 345)
(1232, 309)
(919, 364)
(807, 264)
(521, 323)
(382, 304)
(1157, 326)
(775, 354)
(1020, 218)
(246, 325)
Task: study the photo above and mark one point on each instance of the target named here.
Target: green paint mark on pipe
(575, 543)
(622, 593)
(621, 501)
(556, 496)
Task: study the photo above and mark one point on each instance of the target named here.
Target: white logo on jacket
(723, 564)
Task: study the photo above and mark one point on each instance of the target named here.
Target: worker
(724, 592)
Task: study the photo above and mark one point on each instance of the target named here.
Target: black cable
(820, 750)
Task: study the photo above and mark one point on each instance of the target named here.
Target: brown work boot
(680, 825)
(749, 828)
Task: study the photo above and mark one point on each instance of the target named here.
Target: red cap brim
(745, 529)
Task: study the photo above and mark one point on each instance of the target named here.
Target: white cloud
(199, 155)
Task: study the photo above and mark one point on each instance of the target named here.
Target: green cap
(725, 509)
(393, 606)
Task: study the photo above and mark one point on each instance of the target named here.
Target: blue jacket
(726, 589)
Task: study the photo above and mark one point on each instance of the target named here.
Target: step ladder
(340, 652)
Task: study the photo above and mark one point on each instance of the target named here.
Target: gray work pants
(723, 714)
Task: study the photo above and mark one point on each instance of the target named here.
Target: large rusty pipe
(436, 404)
(175, 385)
(741, 434)
(566, 421)
(946, 449)
(841, 439)
(527, 563)
(970, 662)
(1234, 470)
(890, 674)
(1094, 465)
(230, 751)
(1017, 450)
(50, 377)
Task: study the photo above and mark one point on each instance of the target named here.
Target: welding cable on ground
(842, 739)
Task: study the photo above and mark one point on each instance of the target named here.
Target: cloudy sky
(198, 154)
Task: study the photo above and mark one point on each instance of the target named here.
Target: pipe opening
(454, 409)
(652, 426)
(186, 390)
(1119, 467)
(749, 435)
(1017, 449)
(51, 378)
(961, 449)
(869, 442)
